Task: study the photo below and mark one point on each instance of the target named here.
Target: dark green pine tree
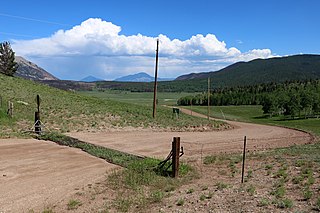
(7, 64)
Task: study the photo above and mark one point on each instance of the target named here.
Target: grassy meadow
(254, 114)
(141, 98)
(64, 111)
(247, 113)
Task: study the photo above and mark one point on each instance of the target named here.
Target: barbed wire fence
(197, 151)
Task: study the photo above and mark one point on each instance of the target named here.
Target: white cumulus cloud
(97, 47)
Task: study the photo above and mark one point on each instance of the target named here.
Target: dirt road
(158, 144)
(39, 174)
(36, 174)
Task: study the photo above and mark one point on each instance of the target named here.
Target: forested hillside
(259, 71)
(289, 98)
(279, 69)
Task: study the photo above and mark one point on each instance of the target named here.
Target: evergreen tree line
(8, 66)
(290, 98)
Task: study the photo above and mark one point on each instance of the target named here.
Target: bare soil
(35, 175)
(197, 144)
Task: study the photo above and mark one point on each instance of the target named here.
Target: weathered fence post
(175, 112)
(37, 122)
(243, 157)
(175, 156)
(10, 109)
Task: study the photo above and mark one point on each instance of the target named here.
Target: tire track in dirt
(197, 144)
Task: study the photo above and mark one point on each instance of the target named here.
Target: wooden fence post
(10, 109)
(37, 123)
(175, 156)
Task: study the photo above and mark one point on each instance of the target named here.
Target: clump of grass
(279, 192)
(47, 210)
(180, 202)
(169, 188)
(251, 190)
(297, 179)
(299, 163)
(306, 172)
(232, 167)
(221, 185)
(282, 172)
(209, 195)
(263, 202)
(268, 167)
(206, 196)
(157, 196)
(110, 155)
(209, 159)
(249, 174)
(190, 191)
(310, 181)
(203, 188)
(233, 160)
(73, 204)
(123, 204)
(142, 185)
(284, 203)
(307, 194)
(202, 197)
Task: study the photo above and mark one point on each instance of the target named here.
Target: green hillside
(64, 111)
(280, 69)
(273, 70)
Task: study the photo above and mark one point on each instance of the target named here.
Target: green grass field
(65, 111)
(254, 114)
(141, 98)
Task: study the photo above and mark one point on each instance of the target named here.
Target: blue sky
(109, 39)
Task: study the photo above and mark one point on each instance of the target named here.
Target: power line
(32, 19)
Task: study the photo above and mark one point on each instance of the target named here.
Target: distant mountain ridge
(29, 70)
(258, 71)
(90, 78)
(140, 77)
(278, 69)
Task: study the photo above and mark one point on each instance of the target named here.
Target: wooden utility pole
(208, 98)
(155, 82)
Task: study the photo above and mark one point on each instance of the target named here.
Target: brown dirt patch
(197, 144)
(36, 174)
